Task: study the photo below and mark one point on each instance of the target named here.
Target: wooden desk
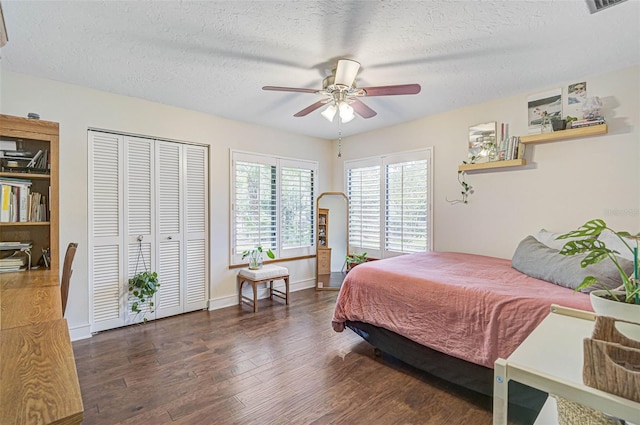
(38, 378)
(29, 306)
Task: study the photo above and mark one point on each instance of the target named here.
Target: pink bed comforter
(473, 307)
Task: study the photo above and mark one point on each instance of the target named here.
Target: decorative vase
(255, 260)
(619, 310)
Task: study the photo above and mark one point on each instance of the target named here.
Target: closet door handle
(169, 237)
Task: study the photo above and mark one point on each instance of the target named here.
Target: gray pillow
(537, 260)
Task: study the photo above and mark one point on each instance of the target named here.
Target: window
(363, 191)
(390, 203)
(273, 205)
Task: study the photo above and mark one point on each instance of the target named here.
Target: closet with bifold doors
(148, 211)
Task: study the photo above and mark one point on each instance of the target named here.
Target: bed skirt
(524, 401)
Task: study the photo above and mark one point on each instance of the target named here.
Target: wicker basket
(612, 361)
(572, 413)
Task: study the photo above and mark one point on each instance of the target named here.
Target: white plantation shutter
(363, 191)
(401, 183)
(273, 205)
(406, 207)
(297, 207)
(196, 212)
(254, 203)
(105, 224)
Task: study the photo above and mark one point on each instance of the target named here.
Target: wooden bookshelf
(33, 135)
(492, 165)
(571, 133)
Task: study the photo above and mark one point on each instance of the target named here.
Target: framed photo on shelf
(543, 104)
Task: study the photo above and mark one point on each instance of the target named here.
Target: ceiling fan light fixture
(346, 72)
(329, 112)
(346, 112)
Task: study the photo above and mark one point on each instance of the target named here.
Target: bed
(450, 314)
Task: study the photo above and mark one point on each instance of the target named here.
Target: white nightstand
(551, 360)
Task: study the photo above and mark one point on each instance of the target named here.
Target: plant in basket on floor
(354, 259)
(600, 242)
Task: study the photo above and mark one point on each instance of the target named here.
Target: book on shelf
(32, 163)
(15, 245)
(587, 123)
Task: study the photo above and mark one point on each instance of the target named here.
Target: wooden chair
(66, 274)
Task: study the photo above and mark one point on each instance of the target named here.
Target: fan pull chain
(339, 137)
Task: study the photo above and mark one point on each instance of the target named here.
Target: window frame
(382, 161)
(278, 162)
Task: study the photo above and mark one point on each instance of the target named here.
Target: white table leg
(500, 392)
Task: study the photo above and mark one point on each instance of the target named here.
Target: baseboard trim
(229, 301)
(80, 332)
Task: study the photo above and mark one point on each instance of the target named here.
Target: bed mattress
(472, 307)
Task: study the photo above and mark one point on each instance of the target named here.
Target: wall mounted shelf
(570, 133)
(531, 139)
(493, 164)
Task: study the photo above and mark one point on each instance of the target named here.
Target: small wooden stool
(267, 273)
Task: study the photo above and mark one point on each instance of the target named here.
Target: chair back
(66, 274)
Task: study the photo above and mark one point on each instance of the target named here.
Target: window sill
(277, 260)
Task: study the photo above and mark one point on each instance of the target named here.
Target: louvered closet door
(196, 211)
(105, 239)
(139, 215)
(169, 235)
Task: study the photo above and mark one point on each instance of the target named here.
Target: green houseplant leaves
(142, 287)
(597, 251)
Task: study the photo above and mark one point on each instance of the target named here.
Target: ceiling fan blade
(346, 72)
(293, 89)
(363, 110)
(311, 108)
(392, 90)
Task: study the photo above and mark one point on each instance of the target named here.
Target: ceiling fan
(339, 92)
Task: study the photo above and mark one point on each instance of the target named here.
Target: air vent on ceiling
(598, 5)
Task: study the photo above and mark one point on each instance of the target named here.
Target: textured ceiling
(214, 56)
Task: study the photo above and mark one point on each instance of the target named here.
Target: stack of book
(15, 256)
(22, 161)
(587, 123)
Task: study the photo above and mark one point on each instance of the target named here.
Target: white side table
(551, 360)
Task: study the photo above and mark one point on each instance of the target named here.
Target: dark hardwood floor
(283, 365)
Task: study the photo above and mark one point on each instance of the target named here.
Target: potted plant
(627, 297)
(142, 287)
(354, 259)
(255, 256)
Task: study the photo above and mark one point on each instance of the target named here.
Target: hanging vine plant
(467, 189)
(142, 288)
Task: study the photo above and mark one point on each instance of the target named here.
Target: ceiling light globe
(329, 113)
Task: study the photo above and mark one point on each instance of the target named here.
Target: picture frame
(483, 140)
(543, 104)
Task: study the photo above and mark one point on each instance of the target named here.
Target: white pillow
(612, 241)
(550, 239)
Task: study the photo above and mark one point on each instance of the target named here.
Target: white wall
(77, 108)
(563, 185)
